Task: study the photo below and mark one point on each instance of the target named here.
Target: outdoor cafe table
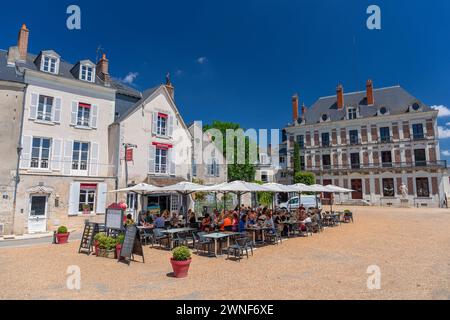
(171, 232)
(255, 229)
(220, 235)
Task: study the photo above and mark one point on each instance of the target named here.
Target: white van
(307, 201)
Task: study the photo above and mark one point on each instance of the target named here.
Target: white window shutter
(172, 162)
(74, 198)
(25, 156)
(57, 111)
(33, 105)
(74, 114)
(93, 166)
(101, 198)
(170, 125)
(154, 122)
(151, 158)
(94, 116)
(217, 171)
(56, 154)
(67, 163)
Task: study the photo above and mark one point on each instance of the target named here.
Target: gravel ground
(411, 247)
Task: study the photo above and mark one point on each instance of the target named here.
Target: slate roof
(8, 73)
(396, 99)
(128, 107)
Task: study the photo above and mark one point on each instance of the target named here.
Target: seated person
(226, 223)
(206, 223)
(174, 221)
(268, 223)
(159, 222)
(252, 218)
(192, 217)
(243, 223)
(129, 220)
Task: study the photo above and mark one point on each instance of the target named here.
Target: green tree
(304, 177)
(264, 197)
(236, 171)
(296, 158)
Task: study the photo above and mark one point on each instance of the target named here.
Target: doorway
(37, 218)
(357, 186)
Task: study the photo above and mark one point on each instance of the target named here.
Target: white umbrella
(140, 188)
(278, 188)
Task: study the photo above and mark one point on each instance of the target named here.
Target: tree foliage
(304, 177)
(296, 158)
(264, 197)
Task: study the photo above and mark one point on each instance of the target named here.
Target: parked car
(308, 201)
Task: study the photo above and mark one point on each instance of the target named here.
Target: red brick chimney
(22, 42)
(340, 96)
(369, 95)
(295, 107)
(102, 69)
(303, 111)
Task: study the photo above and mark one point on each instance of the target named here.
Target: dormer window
(87, 73)
(324, 117)
(352, 113)
(383, 111)
(50, 64)
(414, 107)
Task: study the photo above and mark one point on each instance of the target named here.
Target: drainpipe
(19, 153)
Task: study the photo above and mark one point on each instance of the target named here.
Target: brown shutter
(345, 183)
(365, 158)
(374, 133)
(430, 128)
(343, 136)
(344, 159)
(432, 154)
(335, 159)
(317, 161)
(406, 133)
(410, 186)
(364, 134)
(316, 138)
(336, 182)
(375, 158)
(367, 186)
(408, 156)
(334, 137)
(377, 186)
(308, 139)
(399, 183)
(395, 133)
(434, 185)
(398, 158)
(309, 162)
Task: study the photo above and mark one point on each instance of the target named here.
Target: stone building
(373, 142)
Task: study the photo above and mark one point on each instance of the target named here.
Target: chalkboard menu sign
(114, 219)
(131, 245)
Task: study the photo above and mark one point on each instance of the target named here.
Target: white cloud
(179, 72)
(446, 153)
(443, 110)
(201, 60)
(130, 77)
(444, 133)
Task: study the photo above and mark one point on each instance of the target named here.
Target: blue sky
(242, 60)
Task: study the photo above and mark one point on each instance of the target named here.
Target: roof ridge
(362, 91)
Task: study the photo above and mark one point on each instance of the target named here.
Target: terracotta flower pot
(96, 247)
(180, 268)
(118, 248)
(62, 237)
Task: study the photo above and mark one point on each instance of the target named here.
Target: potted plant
(86, 208)
(107, 247)
(62, 235)
(97, 238)
(120, 238)
(180, 260)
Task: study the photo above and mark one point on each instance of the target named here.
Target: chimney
(303, 111)
(295, 107)
(369, 95)
(340, 96)
(102, 69)
(170, 87)
(22, 42)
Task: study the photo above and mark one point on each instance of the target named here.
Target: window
(420, 157)
(80, 156)
(194, 168)
(40, 153)
(161, 160)
(325, 139)
(263, 158)
(84, 111)
(87, 197)
(422, 187)
(161, 127)
(415, 106)
(354, 139)
(354, 160)
(302, 162)
(326, 161)
(264, 176)
(49, 64)
(282, 159)
(87, 73)
(352, 113)
(45, 108)
(386, 158)
(385, 134)
(388, 187)
(301, 140)
(383, 110)
(417, 131)
(212, 168)
(324, 117)
(38, 205)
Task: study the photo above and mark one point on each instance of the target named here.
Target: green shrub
(107, 243)
(120, 238)
(181, 253)
(305, 177)
(99, 235)
(62, 229)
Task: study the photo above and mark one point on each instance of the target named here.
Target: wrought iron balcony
(383, 165)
